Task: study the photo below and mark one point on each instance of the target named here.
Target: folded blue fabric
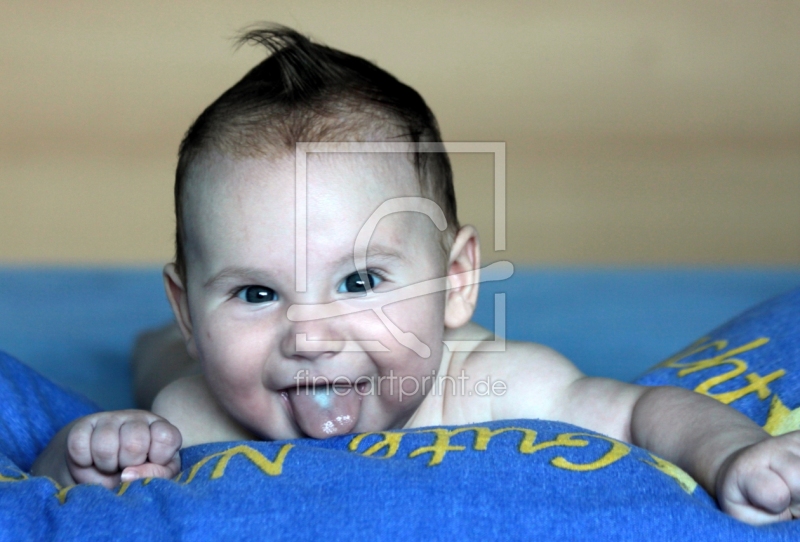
(752, 363)
(508, 479)
(501, 480)
(33, 410)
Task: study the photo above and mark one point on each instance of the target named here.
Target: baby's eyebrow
(232, 272)
(387, 253)
(379, 252)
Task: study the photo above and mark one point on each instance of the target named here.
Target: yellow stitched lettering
(483, 435)
(687, 483)
(390, 441)
(267, 466)
(757, 384)
(694, 348)
(561, 440)
(22, 476)
(721, 359)
(440, 446)
(618, 450)
(781, 419)
(62, 493)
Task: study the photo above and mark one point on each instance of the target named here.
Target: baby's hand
(109, 447)
(761, 483)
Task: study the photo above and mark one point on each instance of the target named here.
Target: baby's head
(289, 325)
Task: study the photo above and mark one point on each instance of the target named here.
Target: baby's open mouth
(323, 411)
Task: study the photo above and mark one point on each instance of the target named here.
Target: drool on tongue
(323, 412)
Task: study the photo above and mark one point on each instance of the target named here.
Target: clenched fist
(761, 482)
(112, 447)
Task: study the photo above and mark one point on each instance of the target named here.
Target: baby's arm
(755, 477)
(109, 447)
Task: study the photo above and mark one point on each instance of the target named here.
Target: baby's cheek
(422, 315)
(407, 374)
(235, 379)
(231, 360)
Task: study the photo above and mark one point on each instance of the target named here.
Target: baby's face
(241, 281)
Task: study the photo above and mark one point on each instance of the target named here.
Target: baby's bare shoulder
(535, 366)
(511, 358)
(190, 406)
(522, 380)
(539, 383)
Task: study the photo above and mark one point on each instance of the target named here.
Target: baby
(316, 288)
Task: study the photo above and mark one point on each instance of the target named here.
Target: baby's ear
(463, 274)
(179, 300)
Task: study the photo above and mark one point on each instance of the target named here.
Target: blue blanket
(510, 479)
(751, 363)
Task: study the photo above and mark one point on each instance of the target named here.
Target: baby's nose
(312, 339)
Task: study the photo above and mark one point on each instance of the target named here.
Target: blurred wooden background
(637, 132)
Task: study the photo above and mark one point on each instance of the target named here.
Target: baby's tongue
(323, 412)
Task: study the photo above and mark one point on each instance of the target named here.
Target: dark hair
(305, 91)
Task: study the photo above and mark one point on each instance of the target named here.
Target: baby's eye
(256, 294)
(354, 283)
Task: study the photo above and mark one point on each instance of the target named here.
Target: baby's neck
(432, 410)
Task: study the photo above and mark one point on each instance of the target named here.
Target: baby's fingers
(763, 485)
(153, 470)
(767, 493)
(165, 441)
(134, 438)
(106, 444)
(79, 443)
(787, 466)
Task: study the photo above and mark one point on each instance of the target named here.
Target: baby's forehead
(243, 213)
(332, 188)
(215, 172)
